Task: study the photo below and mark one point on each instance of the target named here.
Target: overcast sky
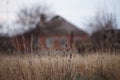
(75, 11)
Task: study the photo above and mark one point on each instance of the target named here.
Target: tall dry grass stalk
(72, 67)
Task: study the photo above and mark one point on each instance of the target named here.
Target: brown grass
(72, 67)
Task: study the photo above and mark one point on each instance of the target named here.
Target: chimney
(43, 18)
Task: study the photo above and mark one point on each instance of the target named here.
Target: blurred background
(78, 12)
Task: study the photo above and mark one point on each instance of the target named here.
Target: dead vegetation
(99, 66)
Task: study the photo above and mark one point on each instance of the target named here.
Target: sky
(78, 12)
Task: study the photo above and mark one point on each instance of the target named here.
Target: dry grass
(72, 67)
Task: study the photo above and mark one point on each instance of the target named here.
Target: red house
(56, 33)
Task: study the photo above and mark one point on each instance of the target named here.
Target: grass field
(71, 67)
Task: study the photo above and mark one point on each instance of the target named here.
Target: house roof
(59, 26)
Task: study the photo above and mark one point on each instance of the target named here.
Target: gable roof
(59, 26)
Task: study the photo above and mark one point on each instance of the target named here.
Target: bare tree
(29, 17)
(103, 20)
(104, 25)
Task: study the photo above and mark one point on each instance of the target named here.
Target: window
(35, 43)
(63, 42)
(49, 42)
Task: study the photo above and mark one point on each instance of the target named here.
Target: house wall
(52, 42)
(47, 42)
(59, 42)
